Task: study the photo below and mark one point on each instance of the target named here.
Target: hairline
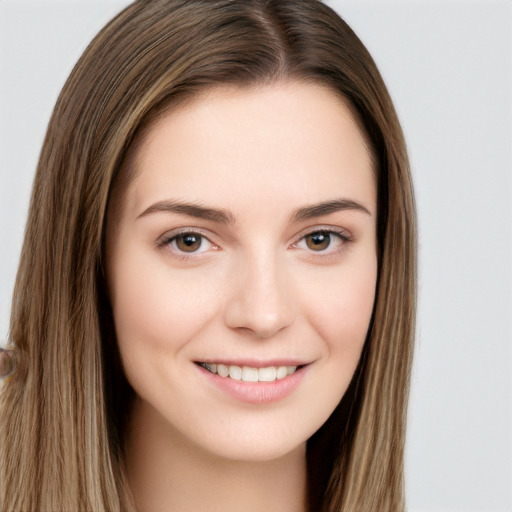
(128, 171)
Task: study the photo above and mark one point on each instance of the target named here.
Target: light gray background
(448, 65)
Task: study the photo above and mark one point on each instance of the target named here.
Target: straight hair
(64, 410)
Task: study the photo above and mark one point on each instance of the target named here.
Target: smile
(250, 374)
(255, 383)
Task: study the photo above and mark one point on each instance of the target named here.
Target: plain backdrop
(448, 65)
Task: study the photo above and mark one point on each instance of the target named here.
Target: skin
(255, 285)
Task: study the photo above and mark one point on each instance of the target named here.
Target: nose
(261, 302)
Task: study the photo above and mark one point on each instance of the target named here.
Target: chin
(257, 450)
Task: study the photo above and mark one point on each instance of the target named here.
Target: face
(242, 268)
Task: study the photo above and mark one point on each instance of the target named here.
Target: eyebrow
(192, 210)
(223, 216)
(336, 205)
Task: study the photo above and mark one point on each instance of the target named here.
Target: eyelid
(166, 239)
(342, 234)
(325, 228)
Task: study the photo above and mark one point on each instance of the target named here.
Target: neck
(166, 471)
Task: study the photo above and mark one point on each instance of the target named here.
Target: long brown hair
(63, 411)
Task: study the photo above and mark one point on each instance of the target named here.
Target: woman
(179, 347)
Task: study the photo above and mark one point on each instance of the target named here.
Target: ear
(7, 363)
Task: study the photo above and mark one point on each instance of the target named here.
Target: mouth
(254, 382)
(250, 373)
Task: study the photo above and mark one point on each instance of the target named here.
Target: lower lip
(256, 392)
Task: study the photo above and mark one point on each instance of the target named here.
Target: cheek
(342, 311)
(338, 303)
(156, 308)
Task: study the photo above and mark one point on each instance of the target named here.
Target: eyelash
(342, 237)
(170, 240)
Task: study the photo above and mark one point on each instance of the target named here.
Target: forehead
(300, 138)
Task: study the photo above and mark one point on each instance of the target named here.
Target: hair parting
(63, 411)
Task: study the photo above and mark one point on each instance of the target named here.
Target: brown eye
(318, 241)
(188, 242)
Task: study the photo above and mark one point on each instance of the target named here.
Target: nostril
(261, 303)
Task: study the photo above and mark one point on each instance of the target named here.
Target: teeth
(248, 374)
(267, 374)
(210, 367)
(235, 373)
(222, 370)
(282, 372)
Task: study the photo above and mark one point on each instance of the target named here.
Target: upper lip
(254, 363)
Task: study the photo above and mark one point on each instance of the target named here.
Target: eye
(322, 241)
(318, 241)
(188, 242)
